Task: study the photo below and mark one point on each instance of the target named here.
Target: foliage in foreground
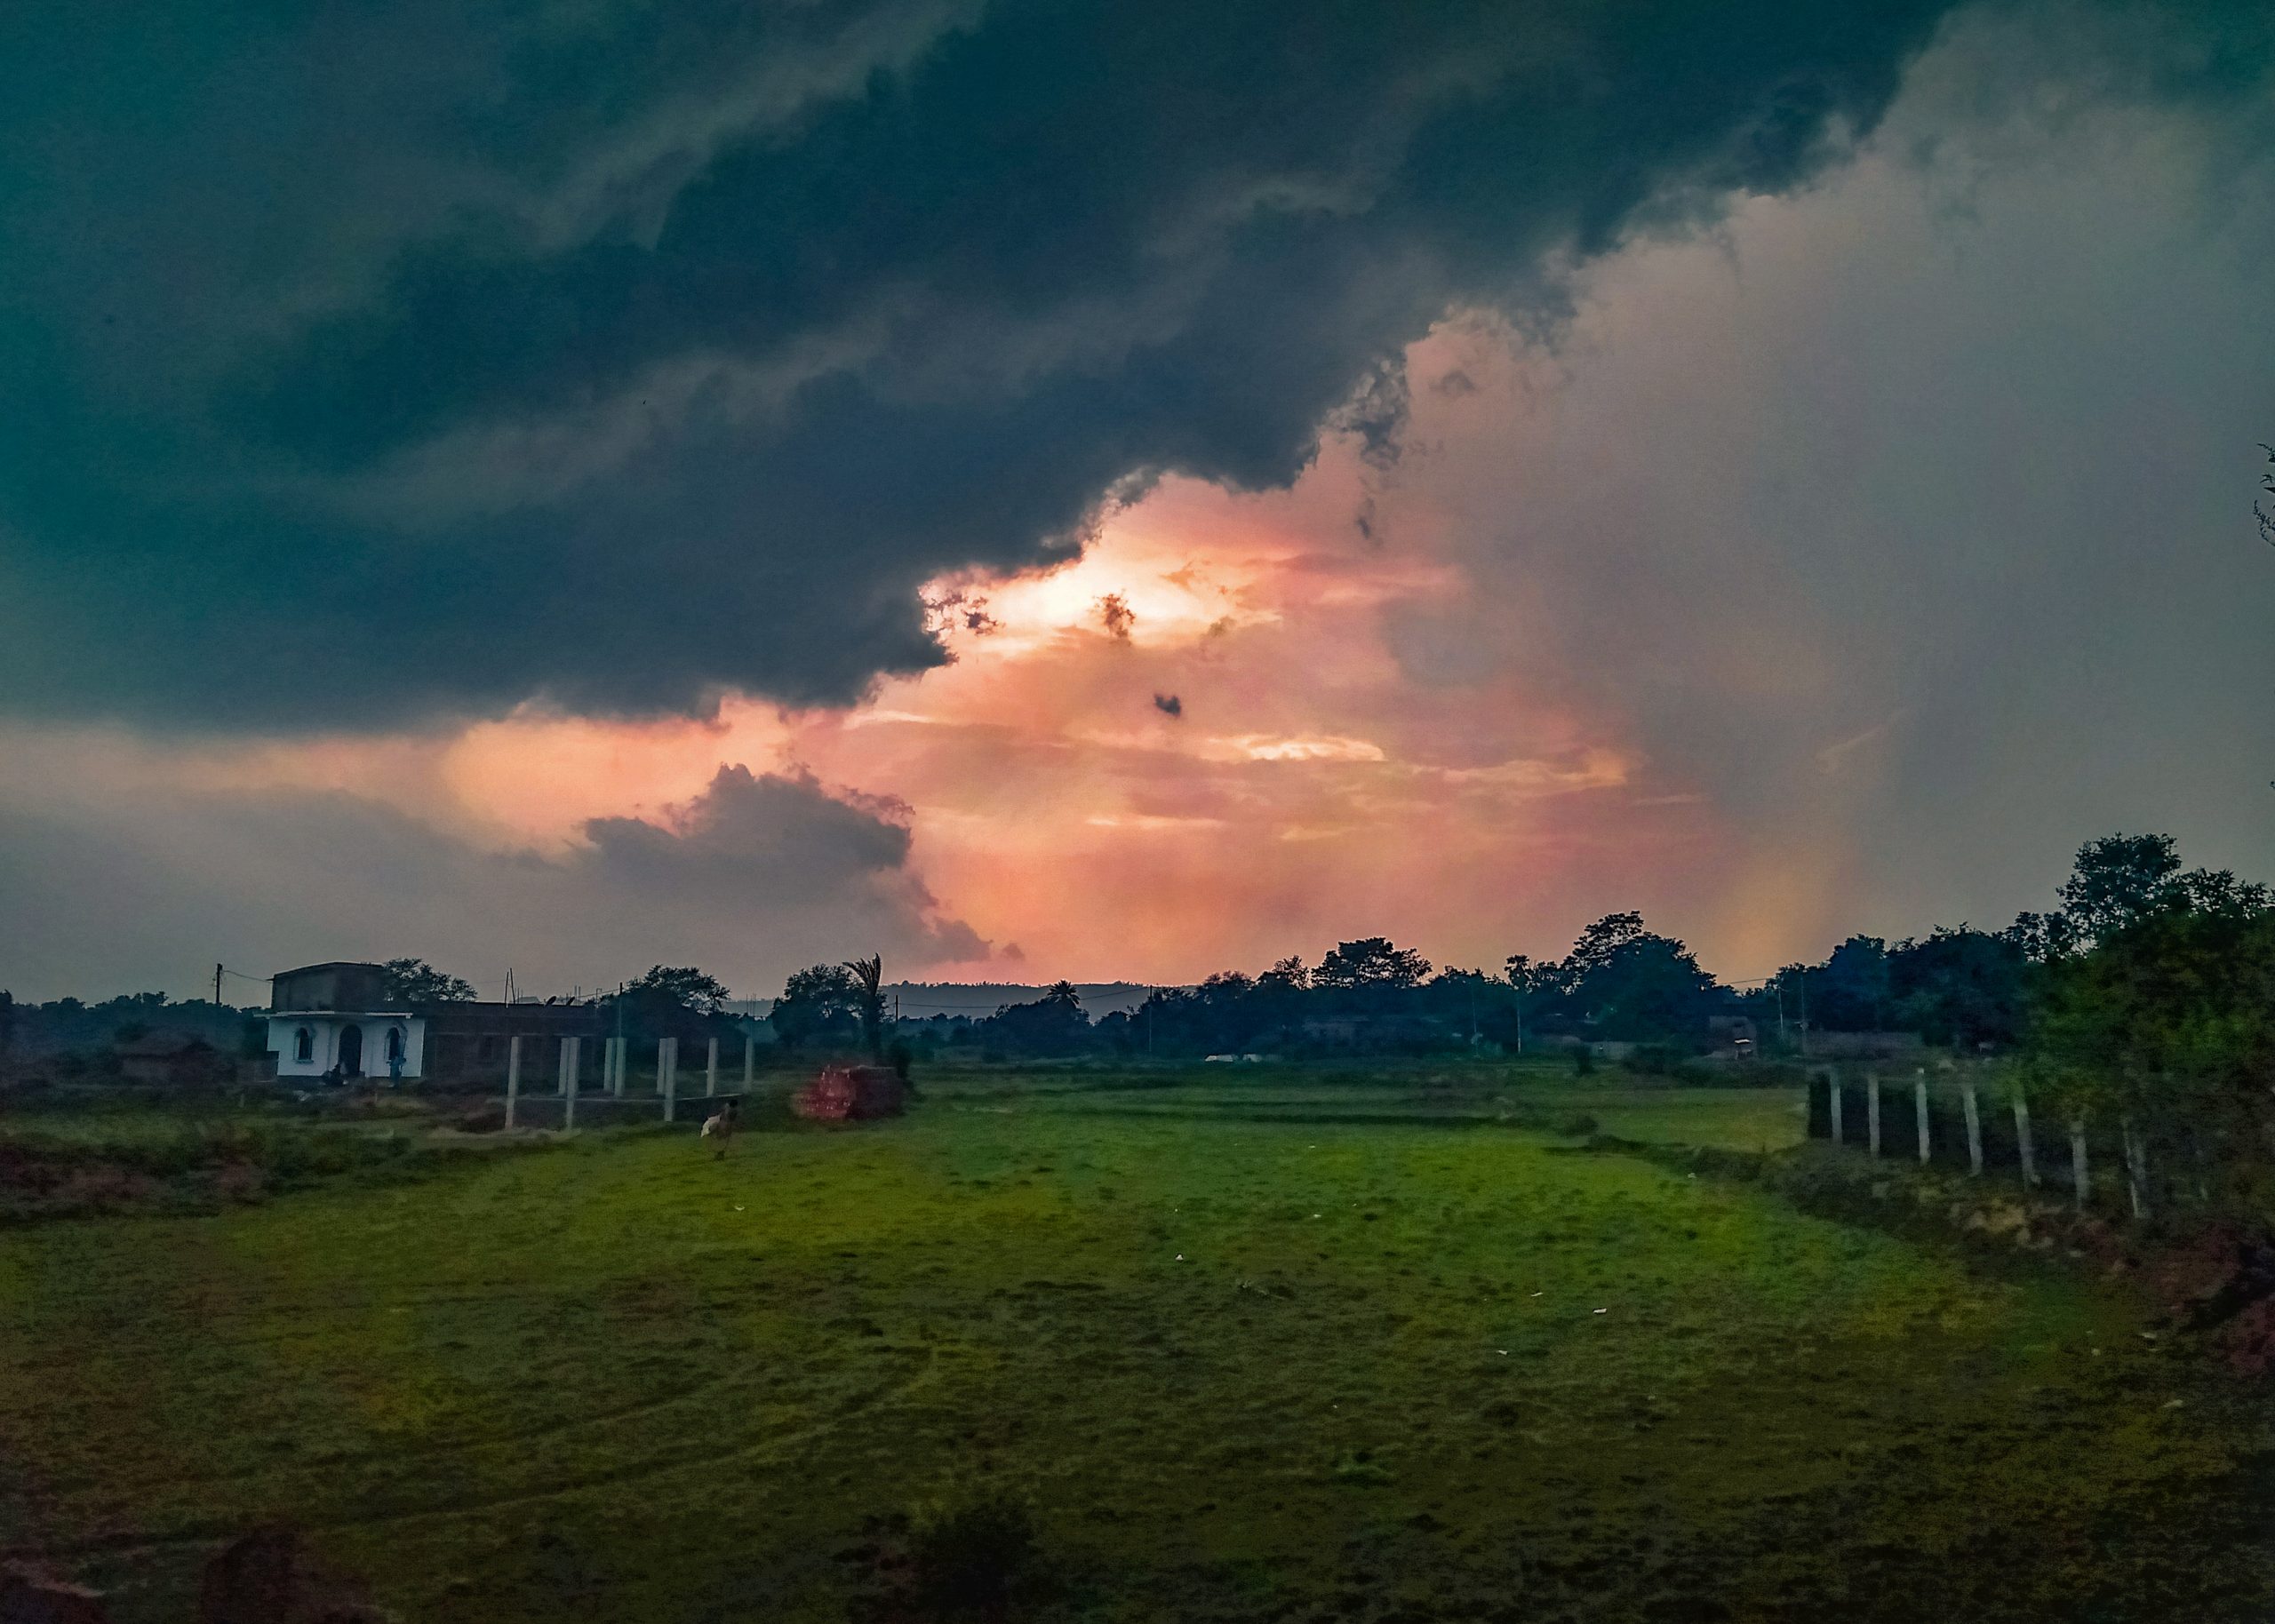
(48, 1173)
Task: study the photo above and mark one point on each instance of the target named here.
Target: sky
(1042, 490)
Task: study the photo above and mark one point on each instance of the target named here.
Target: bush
(1656, 1060)
(1580, 1125)
(1584, 1060)
(1359, 1469)
(969, 1556)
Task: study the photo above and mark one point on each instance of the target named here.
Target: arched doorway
(351, 1051)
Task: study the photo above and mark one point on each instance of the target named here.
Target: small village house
(176, 1059)
(338, 1015)
(324, 1016)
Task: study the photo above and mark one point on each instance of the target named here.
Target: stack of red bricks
(851, 1094)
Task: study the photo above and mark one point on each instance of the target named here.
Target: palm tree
(868, 997)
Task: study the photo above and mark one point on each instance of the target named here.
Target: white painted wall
(323, 1050)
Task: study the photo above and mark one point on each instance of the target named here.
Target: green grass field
(1261, 1347)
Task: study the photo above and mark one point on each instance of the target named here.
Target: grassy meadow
(1255, 1344)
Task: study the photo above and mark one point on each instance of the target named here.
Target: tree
(1465, 1003)
(1055, 1024)
(2041, 937)
(1370, 964)
(2119, 878)
(819, 1004)
(1289, 972)
(869, 1000)
(1962, 987)
(1531, 984)
(414, 980)
(1629, 983)
(688, 988)
(1596, 946)
(1850, 991)
(2169, 1022)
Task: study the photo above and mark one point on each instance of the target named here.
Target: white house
(327, 1016)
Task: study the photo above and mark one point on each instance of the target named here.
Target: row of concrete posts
(614, 1056)
(2080, 1173)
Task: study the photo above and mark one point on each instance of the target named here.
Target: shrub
(1656, 1060)
(1584, 1060)
(1359, 1469)
(969, 1555)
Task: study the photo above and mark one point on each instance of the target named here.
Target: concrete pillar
(513, 1090)
(1832, 1101)
(2079, 1177)
(616, 1049)
(572, 1056)
(750, 1052)
(568, 1073)
(1919, 1110)
(1873, 1110)
(1973, 1128)
(667, 1074)
(711, 1071)
(513, 1065)
(2021, 1139)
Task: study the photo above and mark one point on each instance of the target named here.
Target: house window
(304, 1046)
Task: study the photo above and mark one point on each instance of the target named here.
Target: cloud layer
(757, 871)
(1509, 485)
(372, 370)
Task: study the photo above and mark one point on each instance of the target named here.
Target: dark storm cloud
(758, 875)
(361, 371)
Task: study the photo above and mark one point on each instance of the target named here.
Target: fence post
(512, 1086)
(1833, 1100)
(711, 1071)
(1973, 1128)
(2079, 1176)
(572, 1054)
(513, 1065)
(1919, 1110)
(1873, 1110)
(617, 1047)
(2022, 1141)
(566, 1065)
(667, 1074)
(2136, 1171)
(750, 1049)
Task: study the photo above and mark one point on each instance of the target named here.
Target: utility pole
(217, 984)
(1805, 1014)
(1777, 985)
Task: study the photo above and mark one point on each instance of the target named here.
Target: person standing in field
(721, 1126)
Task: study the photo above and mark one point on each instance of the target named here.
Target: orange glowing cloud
(1193, 746)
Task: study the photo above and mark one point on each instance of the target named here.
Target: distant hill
(978, 999)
